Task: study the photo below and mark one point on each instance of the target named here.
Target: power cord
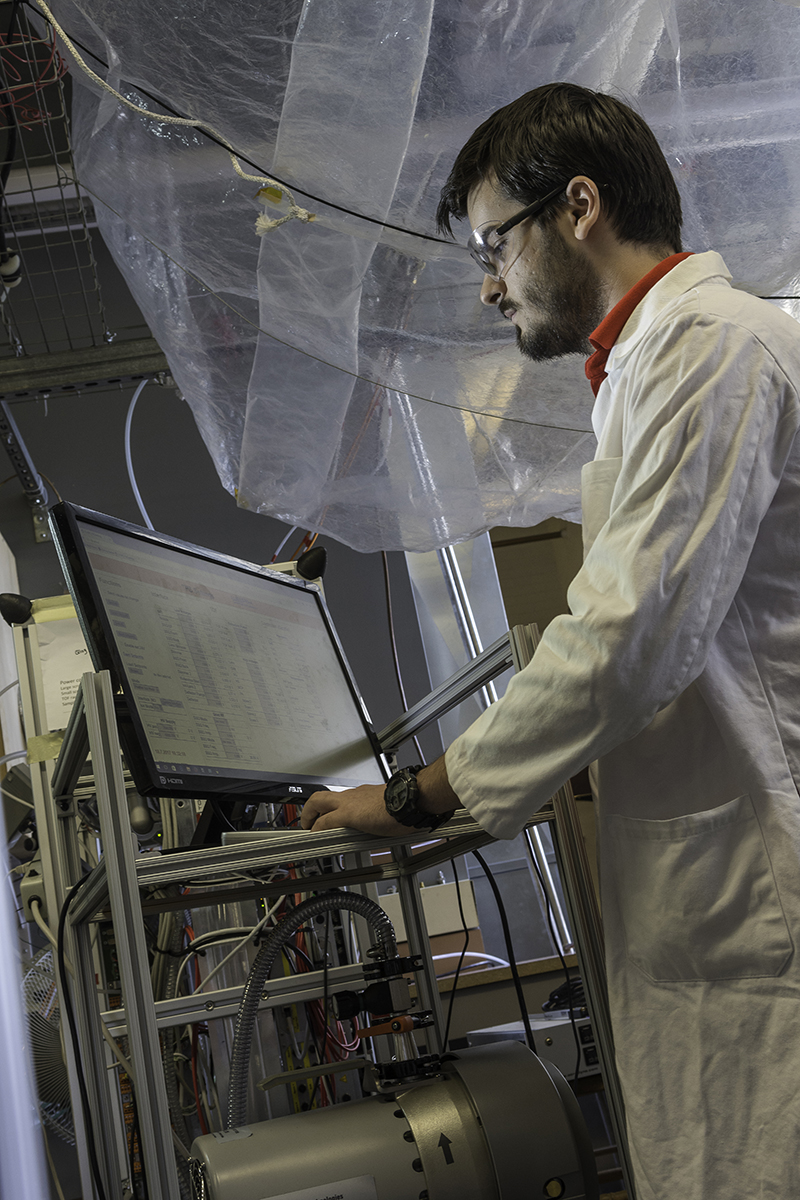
(550, 922)
(523, 1008)
(110, 1041)
(395, 654)
(461, 959)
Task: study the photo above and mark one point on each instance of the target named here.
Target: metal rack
(121, 889)
(57, 304)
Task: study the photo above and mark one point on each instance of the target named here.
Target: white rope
(270, 192)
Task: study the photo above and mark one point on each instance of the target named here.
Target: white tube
(239, 944)
(481, 954)
(283, 543)
(129, 460)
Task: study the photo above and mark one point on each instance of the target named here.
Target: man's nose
(492, 290)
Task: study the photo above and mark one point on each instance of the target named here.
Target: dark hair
(557, 132)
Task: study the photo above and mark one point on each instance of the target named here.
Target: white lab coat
(677, 671)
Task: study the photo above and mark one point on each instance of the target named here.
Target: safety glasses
(490, 257)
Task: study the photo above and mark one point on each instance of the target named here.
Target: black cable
(320, 1053)
(70, 1015)
(549, 911)
(300, 954)
(512, 962)
(393, 640)
(222, 816)
(461, 959)
(427, 237)
(137, 1134)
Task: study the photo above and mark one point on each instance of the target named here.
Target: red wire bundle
(20, 89)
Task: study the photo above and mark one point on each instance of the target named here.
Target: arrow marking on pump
(445, 1143)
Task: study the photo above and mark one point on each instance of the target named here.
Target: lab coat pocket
(598, 480)
(698, 898)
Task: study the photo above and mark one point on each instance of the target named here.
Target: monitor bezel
(65, 520)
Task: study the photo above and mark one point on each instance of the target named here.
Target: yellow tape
(269, 195)
(45, 747)
(52, 608)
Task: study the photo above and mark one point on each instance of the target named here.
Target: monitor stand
(218, 815)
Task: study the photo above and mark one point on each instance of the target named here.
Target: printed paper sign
(64, 659)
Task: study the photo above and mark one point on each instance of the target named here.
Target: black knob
(312, 564)
(346, 1005)
(14, 609)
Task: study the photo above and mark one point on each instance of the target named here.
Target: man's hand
(363, 807)
(358, 808)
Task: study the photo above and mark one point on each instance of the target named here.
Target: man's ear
(585, 209)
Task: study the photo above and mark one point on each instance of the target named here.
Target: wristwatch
(401, 798)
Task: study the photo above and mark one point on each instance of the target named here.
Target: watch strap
(410, 814)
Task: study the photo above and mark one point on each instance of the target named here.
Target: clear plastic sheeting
(343, 373)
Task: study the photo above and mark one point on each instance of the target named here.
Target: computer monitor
(235, 684)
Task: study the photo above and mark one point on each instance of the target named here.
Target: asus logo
(295, 789)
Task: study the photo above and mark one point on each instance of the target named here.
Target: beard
(565, 302)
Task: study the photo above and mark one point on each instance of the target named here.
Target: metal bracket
(32, 485)
(69, 370)
(474, 675)
(41, 529)
(303, 1073)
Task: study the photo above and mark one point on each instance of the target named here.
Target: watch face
(397, 793)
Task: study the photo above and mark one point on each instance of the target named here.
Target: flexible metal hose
(259, 973)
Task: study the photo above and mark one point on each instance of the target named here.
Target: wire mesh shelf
(56, 303)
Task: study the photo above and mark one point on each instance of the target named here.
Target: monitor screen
(233, 677)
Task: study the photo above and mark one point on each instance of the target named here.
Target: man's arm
(363, 807)
(710, 420)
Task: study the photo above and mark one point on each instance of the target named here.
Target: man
(674, 671)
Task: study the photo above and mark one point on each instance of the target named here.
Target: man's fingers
(357, 808)
(317, 803)
(329, 820)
